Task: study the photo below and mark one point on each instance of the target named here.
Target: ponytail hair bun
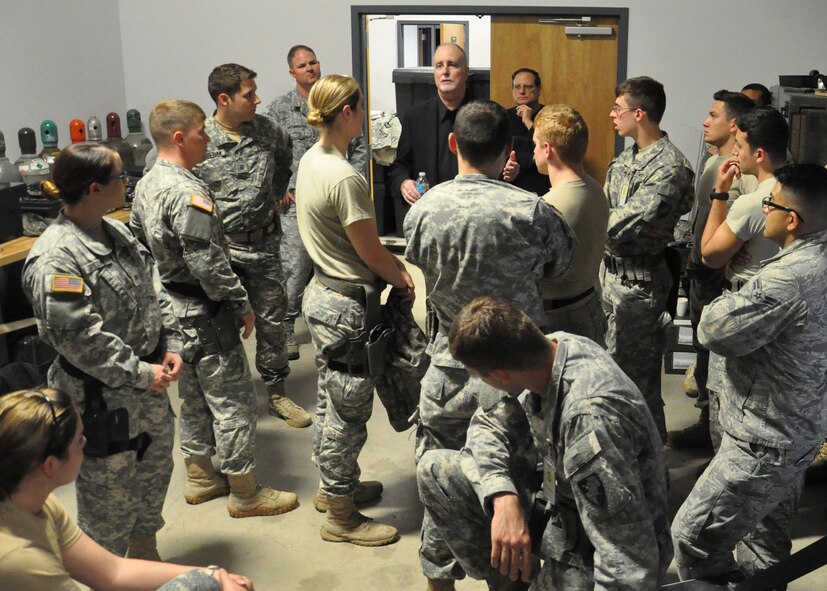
(49, 189)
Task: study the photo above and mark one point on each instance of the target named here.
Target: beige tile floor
(285, 553)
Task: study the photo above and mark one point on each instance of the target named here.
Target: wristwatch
(718, 196)
(210, 570)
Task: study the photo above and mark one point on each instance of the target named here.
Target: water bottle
(422, 184)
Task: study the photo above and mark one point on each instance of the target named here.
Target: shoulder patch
(67, 284)
(202, 203)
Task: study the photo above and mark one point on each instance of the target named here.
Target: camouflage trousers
(447, 401)
(118, 496)
(218, 405)
(344, 402)
(636, 334)
(744, 501)
(194, 580)
(259, 269)
(297, 265)
(452, 505)
(585, 318)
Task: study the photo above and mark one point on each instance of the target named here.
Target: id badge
(549, 482)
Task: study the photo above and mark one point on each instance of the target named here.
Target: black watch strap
(718, 196)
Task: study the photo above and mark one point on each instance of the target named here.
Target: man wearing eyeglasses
(649, 186)
(525, 88)
(773, 333)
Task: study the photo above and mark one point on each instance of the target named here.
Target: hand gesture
(512, 168)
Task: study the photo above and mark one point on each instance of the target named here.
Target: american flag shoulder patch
(67, 284)
(202, 203)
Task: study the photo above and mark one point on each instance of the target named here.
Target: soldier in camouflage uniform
(290, 112)
(581, 436)
(338, 227)
(247, 168)
(474, 236)
(174, 214)
(99, 302)
(773, 335)
(649, 186)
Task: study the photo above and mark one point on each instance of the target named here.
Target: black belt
(254, 237)
(563, 302)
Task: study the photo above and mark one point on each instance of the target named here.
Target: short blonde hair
(329, 96)
(171, 115)
(565, 131)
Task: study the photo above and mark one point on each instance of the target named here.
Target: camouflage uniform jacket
(175, 215)
(100, 306)
(594, 433)
(290, 112)
(474, 236)
(773, 334)
(247, 177)
(649, 192)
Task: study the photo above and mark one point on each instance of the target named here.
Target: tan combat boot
(290, 341)
(690, 385)
(250, 499)
(143, 548)
(365, 492)
(203, 482)
(281, 406)
(440, 585)
(343, 523)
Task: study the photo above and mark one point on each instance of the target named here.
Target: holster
(218, 333)
(365, 353)
(563, 537)
(106, 431)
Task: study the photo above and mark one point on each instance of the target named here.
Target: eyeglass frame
(121, 177)
(617, 109)
(769, 203)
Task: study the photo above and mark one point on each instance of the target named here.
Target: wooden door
(452, 33)
(581, 72)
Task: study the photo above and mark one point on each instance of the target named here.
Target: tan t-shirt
(746, 220)
(585, 207)
(331, 195)
(32, 546)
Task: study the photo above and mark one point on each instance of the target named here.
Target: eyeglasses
(617, 109)
(521, 87)
(769, 203)
(121, 177)
(51, 408)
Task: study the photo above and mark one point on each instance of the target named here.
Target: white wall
(384, 58)
(59, 60)
(169, 48)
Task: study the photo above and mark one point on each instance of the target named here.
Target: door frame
(358, 33)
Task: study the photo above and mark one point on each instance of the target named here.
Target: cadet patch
(67, 284)
(592, 488)
(202, 203)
